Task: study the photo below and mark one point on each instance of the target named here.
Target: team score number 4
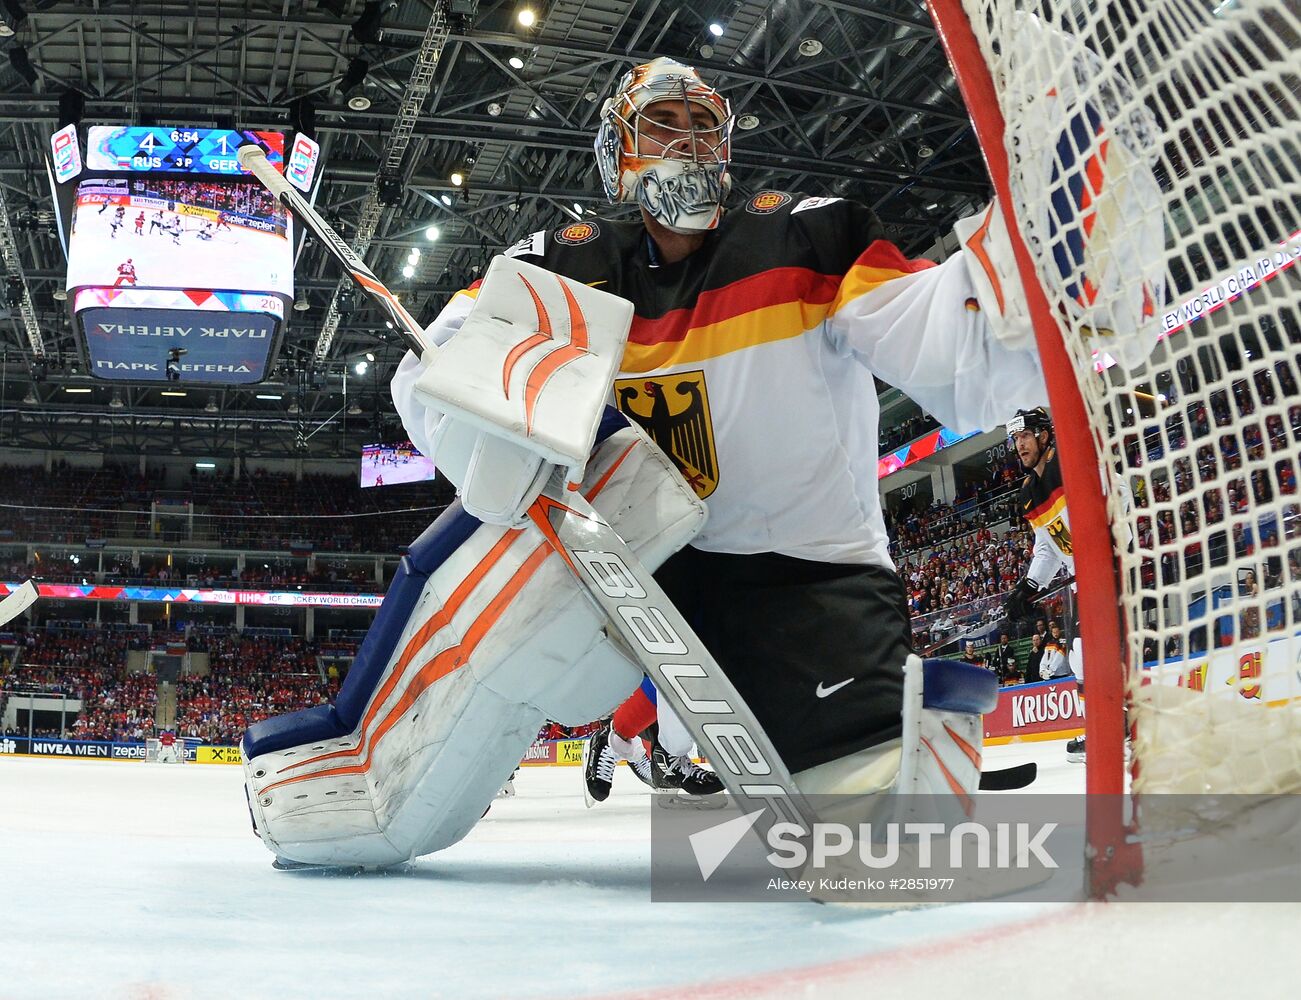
(921, 884)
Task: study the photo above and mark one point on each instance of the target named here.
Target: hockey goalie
(703, 377)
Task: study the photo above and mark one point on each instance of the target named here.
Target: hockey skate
(1075, 750)
(507, 791)
(680, 781)
(600, 760)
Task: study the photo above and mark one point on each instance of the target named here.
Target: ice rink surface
(145, 881)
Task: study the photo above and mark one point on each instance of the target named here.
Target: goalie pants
(789, 632)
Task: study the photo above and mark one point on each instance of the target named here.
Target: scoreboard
(172, 245)
(175, 150)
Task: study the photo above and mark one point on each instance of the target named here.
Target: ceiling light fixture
(353, 85)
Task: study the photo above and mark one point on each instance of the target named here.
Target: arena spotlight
(353, 84)
(515, 62)
(360, 368)
(432, 233)
(12, 17)
(526, 17)
(716, 29)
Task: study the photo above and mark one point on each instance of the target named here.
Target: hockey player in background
(1042, 502)
(168, 749)
(140, 224)
(755, 334)
(126, 273)
(119, 217)
(156, 222)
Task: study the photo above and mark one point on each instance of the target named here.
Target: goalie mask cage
(1197, 597)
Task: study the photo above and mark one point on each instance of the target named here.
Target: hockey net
(153, 746)
(1205, 565)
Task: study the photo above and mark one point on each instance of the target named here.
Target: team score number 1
(921, 884)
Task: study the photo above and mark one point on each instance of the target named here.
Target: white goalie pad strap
(533, 362)
(497, 480)
(991, 265)
(500, 639)
(943, 733)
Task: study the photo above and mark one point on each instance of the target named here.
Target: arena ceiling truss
(834, 97)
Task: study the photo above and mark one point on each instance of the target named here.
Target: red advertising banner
(1047, 710)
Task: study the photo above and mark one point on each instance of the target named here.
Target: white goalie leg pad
(531, 366)
(943, 735)
(496, 639)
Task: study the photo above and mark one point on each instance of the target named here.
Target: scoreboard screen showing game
(179, 232)
(390, 464)
(171, 245)
(175, 150)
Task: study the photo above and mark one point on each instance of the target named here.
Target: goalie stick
(646, 623)
(18, 602)
(253, 158)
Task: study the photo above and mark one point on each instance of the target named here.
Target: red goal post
(1166, 587)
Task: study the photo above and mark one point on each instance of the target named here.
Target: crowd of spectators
(906, 430)
(249, 678)
(979, 502)
(247, 198)
(261, 510)
(89, 666)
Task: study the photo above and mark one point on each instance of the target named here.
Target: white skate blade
(675, 798)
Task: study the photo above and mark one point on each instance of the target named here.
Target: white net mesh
(1154, 171)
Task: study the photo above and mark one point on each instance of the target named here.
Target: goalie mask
(672, 163)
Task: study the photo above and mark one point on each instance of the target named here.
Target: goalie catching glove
(1086, 200)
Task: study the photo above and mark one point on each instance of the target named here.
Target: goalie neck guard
(678, 175)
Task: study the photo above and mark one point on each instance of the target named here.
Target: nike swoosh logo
(822, 692)
(594, 284)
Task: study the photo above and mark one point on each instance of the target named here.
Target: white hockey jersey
(751, 361)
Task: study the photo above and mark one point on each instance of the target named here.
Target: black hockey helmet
(1035, 420)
